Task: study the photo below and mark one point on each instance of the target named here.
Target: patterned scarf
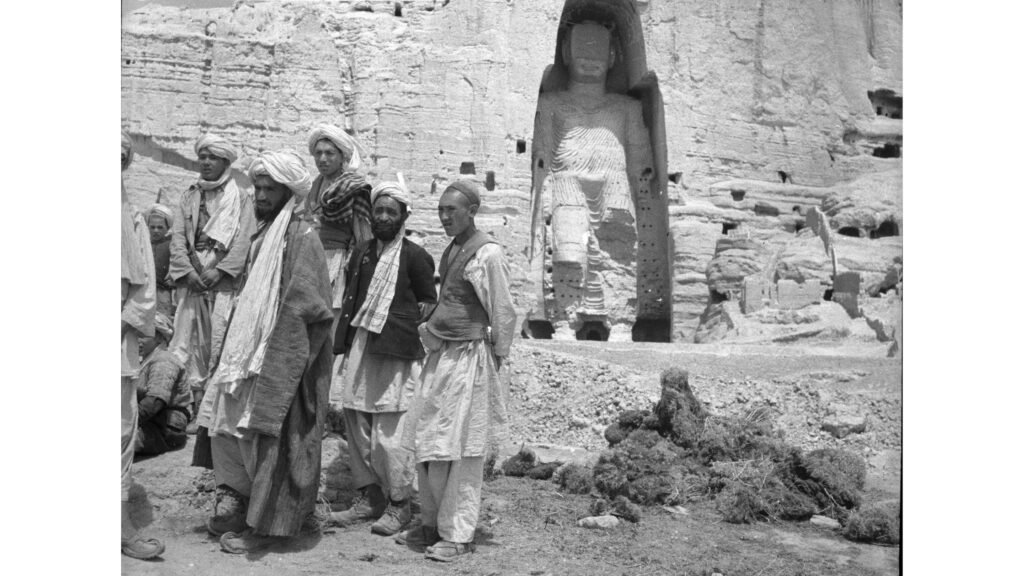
(347, 196)
(374, 311)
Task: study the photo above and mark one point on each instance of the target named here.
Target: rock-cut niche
(599, 253)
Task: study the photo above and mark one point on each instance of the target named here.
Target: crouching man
(266, 402)
(164, 396)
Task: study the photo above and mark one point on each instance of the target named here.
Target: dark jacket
(415, 284)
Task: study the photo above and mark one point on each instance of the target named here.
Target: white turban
(396, 190)
(162, 211)
(352, 149)
(284, 167)
(217, 146)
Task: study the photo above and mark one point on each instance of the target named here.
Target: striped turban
(396, 190)
(162, 211)
(348, 145)
(126, 150)
(284, 167)
(217, 146)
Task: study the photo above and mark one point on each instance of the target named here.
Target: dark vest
(459, 314)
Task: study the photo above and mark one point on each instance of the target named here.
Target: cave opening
(652, 330)
(738, 195)
(593, 330)
(889, 150)
(851, 231)
(467, 168)
(520, 146)
(538, 330)
(726, 226)
(489, 180)
(886, 228)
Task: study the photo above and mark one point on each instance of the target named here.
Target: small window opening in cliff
(827, 296)
(398, 9)
(676, 177)
(850, 231)
(718, 297)
(888, 151)
(738, 195)
(785, 176)
(593, 330)
(652, 330)
(726, 226)
(763, 209)
(538, 330)
(520, 146)
(886, 103)
(886, 228)
(489, 181)
(467, 168)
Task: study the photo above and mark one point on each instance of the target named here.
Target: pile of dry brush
(678, 453)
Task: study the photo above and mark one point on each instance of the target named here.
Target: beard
(268, 215)
(385, 232)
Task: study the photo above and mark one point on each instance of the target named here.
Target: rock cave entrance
(726, 226)
(886, 103)
(652, 330)
(593, 330)
(889, 150)
(886, 228)
(850, 231)
(538, 330)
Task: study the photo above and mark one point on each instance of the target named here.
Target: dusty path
(528, 527)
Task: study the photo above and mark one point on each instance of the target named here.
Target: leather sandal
(445, 551)
(141, 548)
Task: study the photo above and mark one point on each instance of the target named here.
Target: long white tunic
(459, 406)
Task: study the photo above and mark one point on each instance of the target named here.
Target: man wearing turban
(266, 402)
(160, 219)
(458, 413)
(339, 203)
(211, 228)
(390, 286)
(138, 312)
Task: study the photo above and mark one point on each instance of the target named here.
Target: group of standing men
(306, 293)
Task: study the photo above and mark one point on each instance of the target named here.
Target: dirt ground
(564, 393)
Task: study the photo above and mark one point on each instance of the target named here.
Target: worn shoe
(245, 542)
(396, 516)
(363, 508)
(418, 537)
(445, 551)
(141, 548)
(228, 512)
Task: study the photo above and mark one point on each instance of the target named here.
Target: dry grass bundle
(878, 522)
(575, 478)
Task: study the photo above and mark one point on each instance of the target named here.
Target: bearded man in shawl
(211, 229)
(339, 202)
(390, 287)
(138, 311)
(459, 409)
(266, 403)
(160, 219)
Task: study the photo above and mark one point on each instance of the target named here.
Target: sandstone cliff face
(770, 98)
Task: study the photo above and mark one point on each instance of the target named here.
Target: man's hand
(211, 277)
(195, 283)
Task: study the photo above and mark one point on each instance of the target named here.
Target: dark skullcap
(468, 188)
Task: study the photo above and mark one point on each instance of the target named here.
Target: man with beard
(138, 311)
(390, 286)
(212, 226)
(459, 411)
(160, 219)
(266, 402)
(339, 202)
